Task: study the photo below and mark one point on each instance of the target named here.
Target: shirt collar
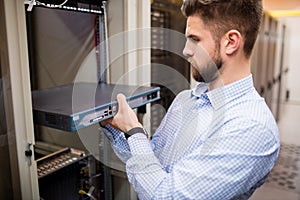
(222, 95)
(200, 89)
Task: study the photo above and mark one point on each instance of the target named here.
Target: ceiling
(282, 4)
(282, 8)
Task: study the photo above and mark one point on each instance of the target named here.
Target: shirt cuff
(115, 133)
(139, 144)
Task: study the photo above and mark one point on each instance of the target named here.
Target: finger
(123, 105)
(105, 122)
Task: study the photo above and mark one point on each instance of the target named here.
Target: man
(218, 140)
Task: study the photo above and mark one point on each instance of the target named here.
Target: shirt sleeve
(118, 142)
(225, 167)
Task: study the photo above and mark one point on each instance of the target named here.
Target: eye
(194, 39)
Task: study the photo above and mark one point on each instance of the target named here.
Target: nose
(187, 51)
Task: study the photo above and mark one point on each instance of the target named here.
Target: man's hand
(125, 119)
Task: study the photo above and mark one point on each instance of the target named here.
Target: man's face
(202, 51)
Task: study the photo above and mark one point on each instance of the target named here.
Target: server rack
(85, 8)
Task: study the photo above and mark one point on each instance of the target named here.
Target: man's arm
(118, 142)
(234, 165)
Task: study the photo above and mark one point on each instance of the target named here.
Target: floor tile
(270, 193)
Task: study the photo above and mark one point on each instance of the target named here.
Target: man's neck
(231, 73)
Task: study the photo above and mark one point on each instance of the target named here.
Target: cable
(51, 5)
(82, 192)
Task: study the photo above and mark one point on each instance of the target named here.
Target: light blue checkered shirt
(219, 144)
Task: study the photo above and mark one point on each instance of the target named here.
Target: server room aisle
(284, 180)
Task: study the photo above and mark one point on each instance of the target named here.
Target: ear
(232, 41)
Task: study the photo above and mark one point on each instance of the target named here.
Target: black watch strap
(134, 131)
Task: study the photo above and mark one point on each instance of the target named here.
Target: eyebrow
(191, 36)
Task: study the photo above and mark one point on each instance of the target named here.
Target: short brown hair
(223, 15)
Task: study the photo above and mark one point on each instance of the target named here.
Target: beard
(209, 71)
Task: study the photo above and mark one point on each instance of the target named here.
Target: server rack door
(18, 168)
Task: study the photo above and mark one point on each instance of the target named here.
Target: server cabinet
(281, 73)
(169, 68)
(265, 63)
(272, 42)
(14, 56)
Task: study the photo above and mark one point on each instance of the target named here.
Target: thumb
(125, 119)
(122, 103)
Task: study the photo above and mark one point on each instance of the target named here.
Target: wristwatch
(136, 130)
